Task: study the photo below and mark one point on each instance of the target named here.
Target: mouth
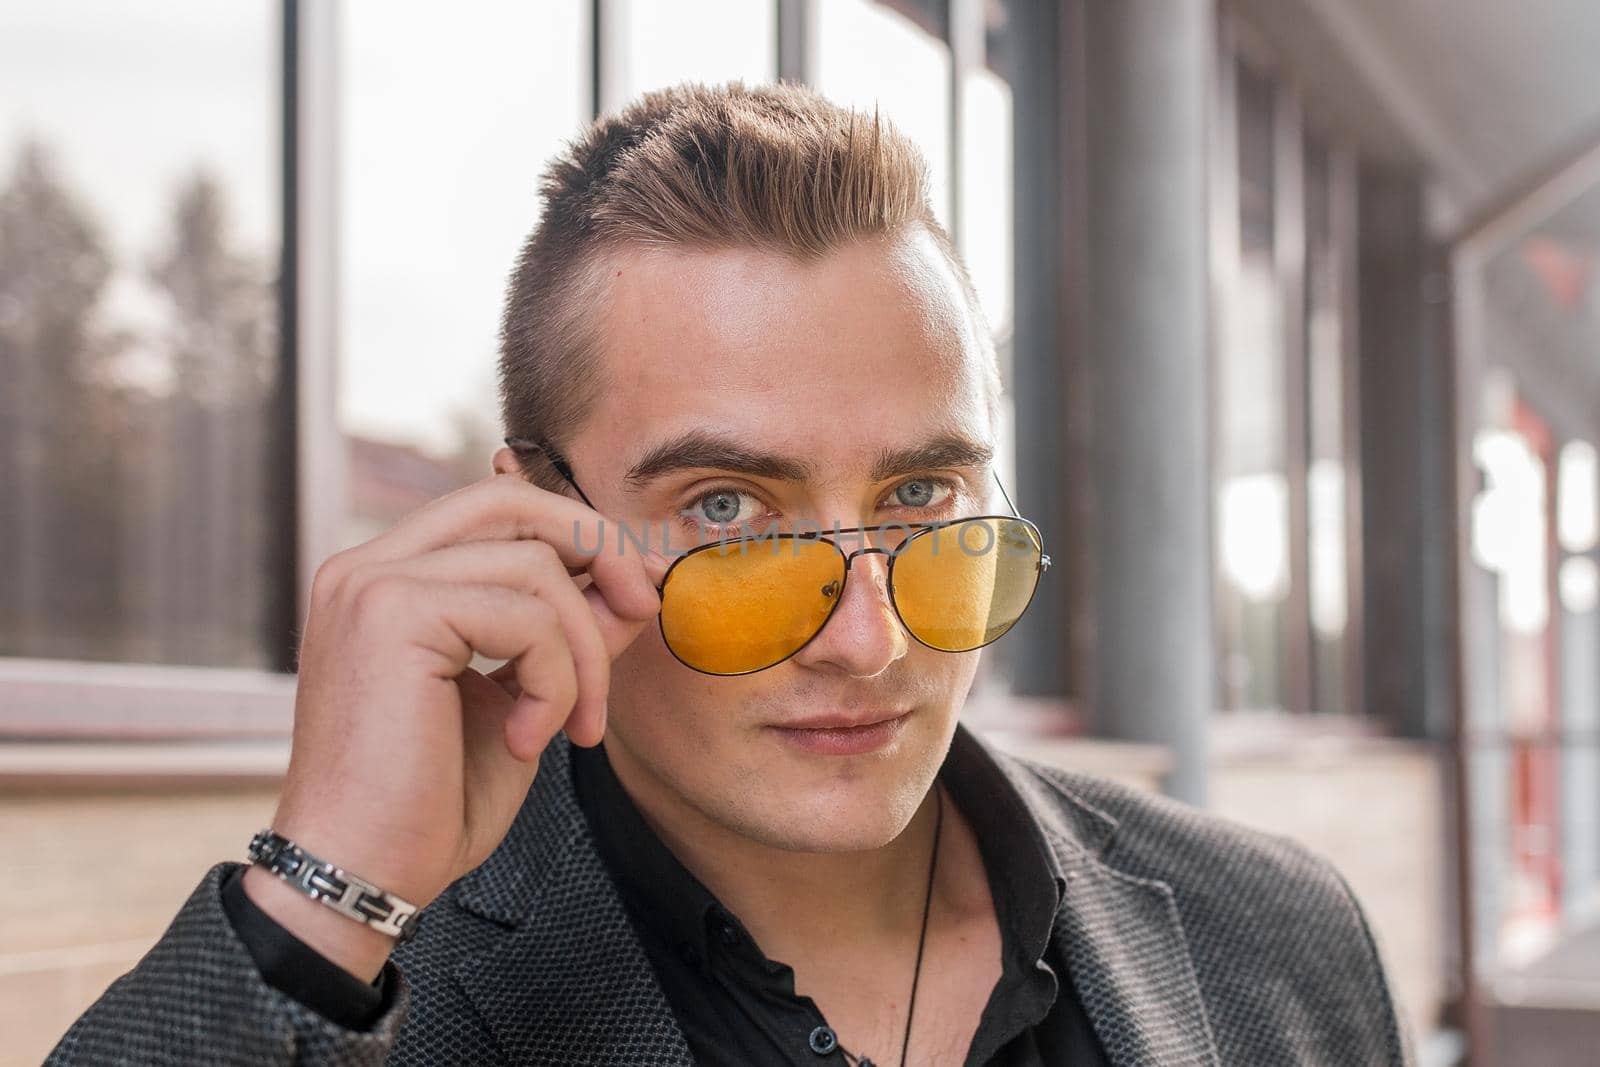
(846, 721)
(845, 735)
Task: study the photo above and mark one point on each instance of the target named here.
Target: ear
(505, 462)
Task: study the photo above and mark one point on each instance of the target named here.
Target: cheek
(961, 668)
(662, 707)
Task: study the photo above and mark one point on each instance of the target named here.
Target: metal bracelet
(350, 896)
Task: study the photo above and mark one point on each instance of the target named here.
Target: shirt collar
(1026, 878)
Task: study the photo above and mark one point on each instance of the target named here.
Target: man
(756, 832)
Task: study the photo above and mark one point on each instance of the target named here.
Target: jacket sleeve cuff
(199, 995)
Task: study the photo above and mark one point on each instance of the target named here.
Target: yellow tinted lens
(742, 606)
(961, 586)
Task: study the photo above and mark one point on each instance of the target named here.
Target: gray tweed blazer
(1191, 940)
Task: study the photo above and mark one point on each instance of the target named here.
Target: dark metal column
(1148, 66)
(1037, 657)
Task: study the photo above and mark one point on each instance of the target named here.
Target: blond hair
(774, 167)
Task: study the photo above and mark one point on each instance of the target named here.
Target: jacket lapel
(1130, 964)
(570, 983)
(1125, 946)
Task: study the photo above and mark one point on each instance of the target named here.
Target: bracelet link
(353, 897)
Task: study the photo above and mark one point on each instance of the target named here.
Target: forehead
(869, 348)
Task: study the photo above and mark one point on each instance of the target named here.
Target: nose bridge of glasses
(880, 596)
(883, 538)
(871, 550)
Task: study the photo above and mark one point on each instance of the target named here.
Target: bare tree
(207, 573)
(220, 340)
(55, 426)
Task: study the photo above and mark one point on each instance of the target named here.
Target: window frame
(120, 701)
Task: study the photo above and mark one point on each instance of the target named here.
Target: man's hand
(407, 765)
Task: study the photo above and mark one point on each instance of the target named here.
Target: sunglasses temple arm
(1007, 496)
(1044, 560)
(566, 472)
(525, 445)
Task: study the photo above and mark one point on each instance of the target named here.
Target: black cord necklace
(922, 939)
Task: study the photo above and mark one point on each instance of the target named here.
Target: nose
(863, 636)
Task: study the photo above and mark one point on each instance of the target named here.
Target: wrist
(387, 865)
(333, 910)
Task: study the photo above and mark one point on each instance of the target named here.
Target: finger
(504, 624)
(505, 507)
(549, 694)
(617, 632)
(534, 568)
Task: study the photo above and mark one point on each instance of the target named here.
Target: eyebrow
(697, 449)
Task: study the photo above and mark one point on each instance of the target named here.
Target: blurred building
(1297, 308)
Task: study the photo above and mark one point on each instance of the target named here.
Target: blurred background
(1297, 308)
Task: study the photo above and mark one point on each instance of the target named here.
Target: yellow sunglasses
(739, 605)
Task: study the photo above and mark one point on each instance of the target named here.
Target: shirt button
(727, 934)
(823, 1041)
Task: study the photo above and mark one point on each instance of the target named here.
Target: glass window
(985, 236)
(1252, 478)
(696, 40)
(445, 135)
(870, 55)
(139, 222)
(1534, 692)
(1578, 515)
(986, 231)
(1326, 391)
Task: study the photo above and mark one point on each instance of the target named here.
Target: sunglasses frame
(525, 446)
(917, 529)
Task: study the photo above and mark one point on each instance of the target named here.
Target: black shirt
(293, 967)
(735, 1005)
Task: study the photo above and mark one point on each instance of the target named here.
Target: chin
(855, 835)
(852, 814)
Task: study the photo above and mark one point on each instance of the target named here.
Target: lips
(861, 734)
(842, 722)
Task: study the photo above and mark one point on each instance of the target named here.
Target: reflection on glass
(138, 354)
(867, 54)
(440, 179)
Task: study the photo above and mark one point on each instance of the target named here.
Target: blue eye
(920, 488)
(717, 510)
(720, 507)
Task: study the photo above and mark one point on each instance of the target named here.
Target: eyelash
(954, 486)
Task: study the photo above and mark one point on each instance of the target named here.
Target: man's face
(829, 364)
